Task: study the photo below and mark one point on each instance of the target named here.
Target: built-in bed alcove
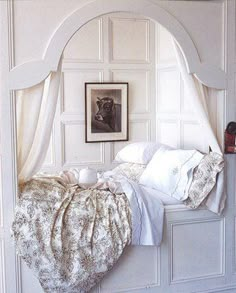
(192, 256)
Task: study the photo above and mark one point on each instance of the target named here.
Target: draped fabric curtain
(36, 108)
(198, 95)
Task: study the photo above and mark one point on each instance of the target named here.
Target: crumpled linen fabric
(132, 171)
(68, 236)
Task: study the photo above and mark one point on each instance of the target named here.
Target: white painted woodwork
(79, 48)
(191, 258)
(73, 96)
(75, 151)
(129, 40)
(68, 148)
(165, 52)
(139, 88)
(133, 271)
(2, 266)
(199, 248)
(22, 76)
(138, 131)
(168, 132)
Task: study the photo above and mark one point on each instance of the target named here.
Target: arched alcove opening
(213, 75)
(31, 73)
(122, 47)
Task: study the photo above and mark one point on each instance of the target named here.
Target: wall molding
(31, 73)
(146, 286)
(66, 164)
(2, 264)
(147, 123)
(203, 220)
(147, 42)
(62, 85)
(100, 48)
(1, 197)
(13, 151)
(147, 102)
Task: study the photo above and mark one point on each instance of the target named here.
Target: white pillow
(139, 152)
(169, 171)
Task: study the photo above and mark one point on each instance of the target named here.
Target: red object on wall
(230, 138)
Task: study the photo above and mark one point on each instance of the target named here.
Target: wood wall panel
(2, 266)
(139, 89)
(165, 53)
(73, 97)
(191, 258)
(129, 40)
(135, 65)
(167, 132)
(139, 130)
(1, 196)
(133, 272)
(87, 45)
(75, 151)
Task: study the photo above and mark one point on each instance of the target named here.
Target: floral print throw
(131, 171)
(68, 236)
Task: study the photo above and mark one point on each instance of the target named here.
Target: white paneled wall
(187, 265)
(2, 258)
(116, 48)
(122, 48)
(131, 272)
(198, 249)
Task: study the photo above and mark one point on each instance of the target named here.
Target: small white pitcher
(87, 177)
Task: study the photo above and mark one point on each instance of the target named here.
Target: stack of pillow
(159, 166)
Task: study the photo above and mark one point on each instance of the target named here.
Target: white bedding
(147, 211)
(165, 199)
(147, 215)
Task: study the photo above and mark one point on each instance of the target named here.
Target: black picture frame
(106, 111)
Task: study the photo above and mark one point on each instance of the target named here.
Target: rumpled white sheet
(147, 211)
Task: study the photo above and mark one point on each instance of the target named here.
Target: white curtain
(198, 93)
(36, 108)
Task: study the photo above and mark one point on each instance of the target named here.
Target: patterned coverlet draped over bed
(68, 236)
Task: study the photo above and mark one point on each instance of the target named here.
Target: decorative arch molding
(33, 72)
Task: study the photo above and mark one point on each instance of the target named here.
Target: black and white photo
(106, 108)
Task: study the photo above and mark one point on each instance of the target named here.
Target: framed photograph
(106, 112)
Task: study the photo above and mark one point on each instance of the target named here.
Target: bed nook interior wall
(159, 108)
(198, 249)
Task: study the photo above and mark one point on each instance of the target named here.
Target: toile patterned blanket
(71, 237)
(68, 236)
